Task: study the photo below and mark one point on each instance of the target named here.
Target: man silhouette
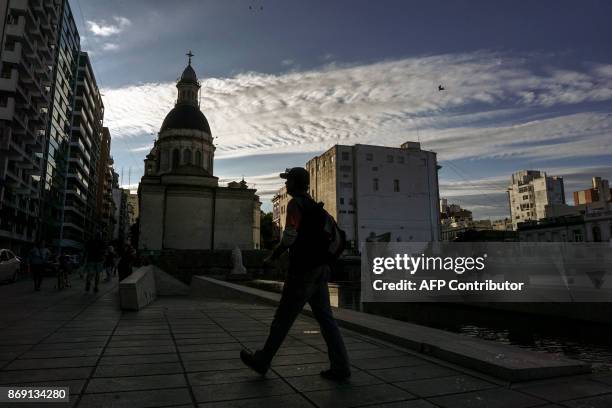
(306, 280)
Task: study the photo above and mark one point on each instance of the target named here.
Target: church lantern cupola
(188, 86)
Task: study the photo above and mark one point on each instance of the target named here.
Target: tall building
(28, 48)
(378, 192)
(133, 208)
(58, 167)
(107, 180)
(530, 193)
(87, 144)
(599, 192)
(121, 228)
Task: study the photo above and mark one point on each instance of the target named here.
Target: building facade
(28, 49)
(89, 144)
(375, 191)
(181, 203)
(530, 193)
(598, 193)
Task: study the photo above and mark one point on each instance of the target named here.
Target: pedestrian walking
(38, 258)
(109, 262)
(126, 261)
(306, 282)
(94, 257)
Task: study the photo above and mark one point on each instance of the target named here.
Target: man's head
(298, 180)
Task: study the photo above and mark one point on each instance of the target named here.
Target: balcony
(16, 30)
(8, 112)
(13, 55)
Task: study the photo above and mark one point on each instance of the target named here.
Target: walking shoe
(335, 375)
(249, 360)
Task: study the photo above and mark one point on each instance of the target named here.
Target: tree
(268, 237)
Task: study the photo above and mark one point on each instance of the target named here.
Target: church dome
(185, 116)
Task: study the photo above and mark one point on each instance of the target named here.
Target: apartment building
(531, 195)
(379, 192)
(28, 48)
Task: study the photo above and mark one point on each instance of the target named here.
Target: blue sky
(528, 84)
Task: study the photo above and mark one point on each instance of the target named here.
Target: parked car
(9, 265)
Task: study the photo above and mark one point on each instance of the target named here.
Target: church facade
(182, 205)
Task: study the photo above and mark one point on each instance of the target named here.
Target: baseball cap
(298, 174)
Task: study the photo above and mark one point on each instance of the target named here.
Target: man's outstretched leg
(292, 301)
(321, 309)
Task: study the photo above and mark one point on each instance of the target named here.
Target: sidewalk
(183, 352)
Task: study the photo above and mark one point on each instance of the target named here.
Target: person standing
(306, 280)
(126, 261)
(109, 262)
(94, 256)
(38, 257)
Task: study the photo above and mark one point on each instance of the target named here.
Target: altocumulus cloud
(495, 105)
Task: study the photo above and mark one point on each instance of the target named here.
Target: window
(369, 156)
(198, 158)
(389, 159)
(396, 186)
(375, 184)
(400, 159)
(187, 156)
(345, 155)
(176, 156)
(341, 200)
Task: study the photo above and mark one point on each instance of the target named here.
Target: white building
(529, 194)
(375, 191)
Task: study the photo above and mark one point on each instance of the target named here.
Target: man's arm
(292, 222)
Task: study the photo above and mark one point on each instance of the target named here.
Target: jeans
(296, 292)
(37, 275)
(93, 270)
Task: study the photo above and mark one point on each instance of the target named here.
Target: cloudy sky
(528, 84)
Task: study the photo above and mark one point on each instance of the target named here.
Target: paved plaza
(183, 352)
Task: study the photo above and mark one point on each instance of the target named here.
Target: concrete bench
(137, 290)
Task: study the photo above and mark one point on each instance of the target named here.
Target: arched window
(198, 158)
(187, 156)
(176, 157)
(206, 161)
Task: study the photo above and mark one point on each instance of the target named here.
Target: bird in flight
(441, 88)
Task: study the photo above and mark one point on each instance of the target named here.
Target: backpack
(334, 235)
(335, 238)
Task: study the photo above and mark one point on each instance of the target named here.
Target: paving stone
(356, 396)
(146, 382)
(127, 351)
(445, 385)
(145, 358)
(410, 404)
(16, 377)
(227, 376)
(300, 359)
(601, 401)
(209, 347)
(212, 365)
(386, 362)
(69, 346)
(210, 355)
(74, 386)
(40, 363)
(282, 401)
(137, 399)
(239, 390)
(75, 352)
(494, 398)
(556, 391)
(115, 342)
(418, 372)
(301, 369)
(137, 369)
(316, 382)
